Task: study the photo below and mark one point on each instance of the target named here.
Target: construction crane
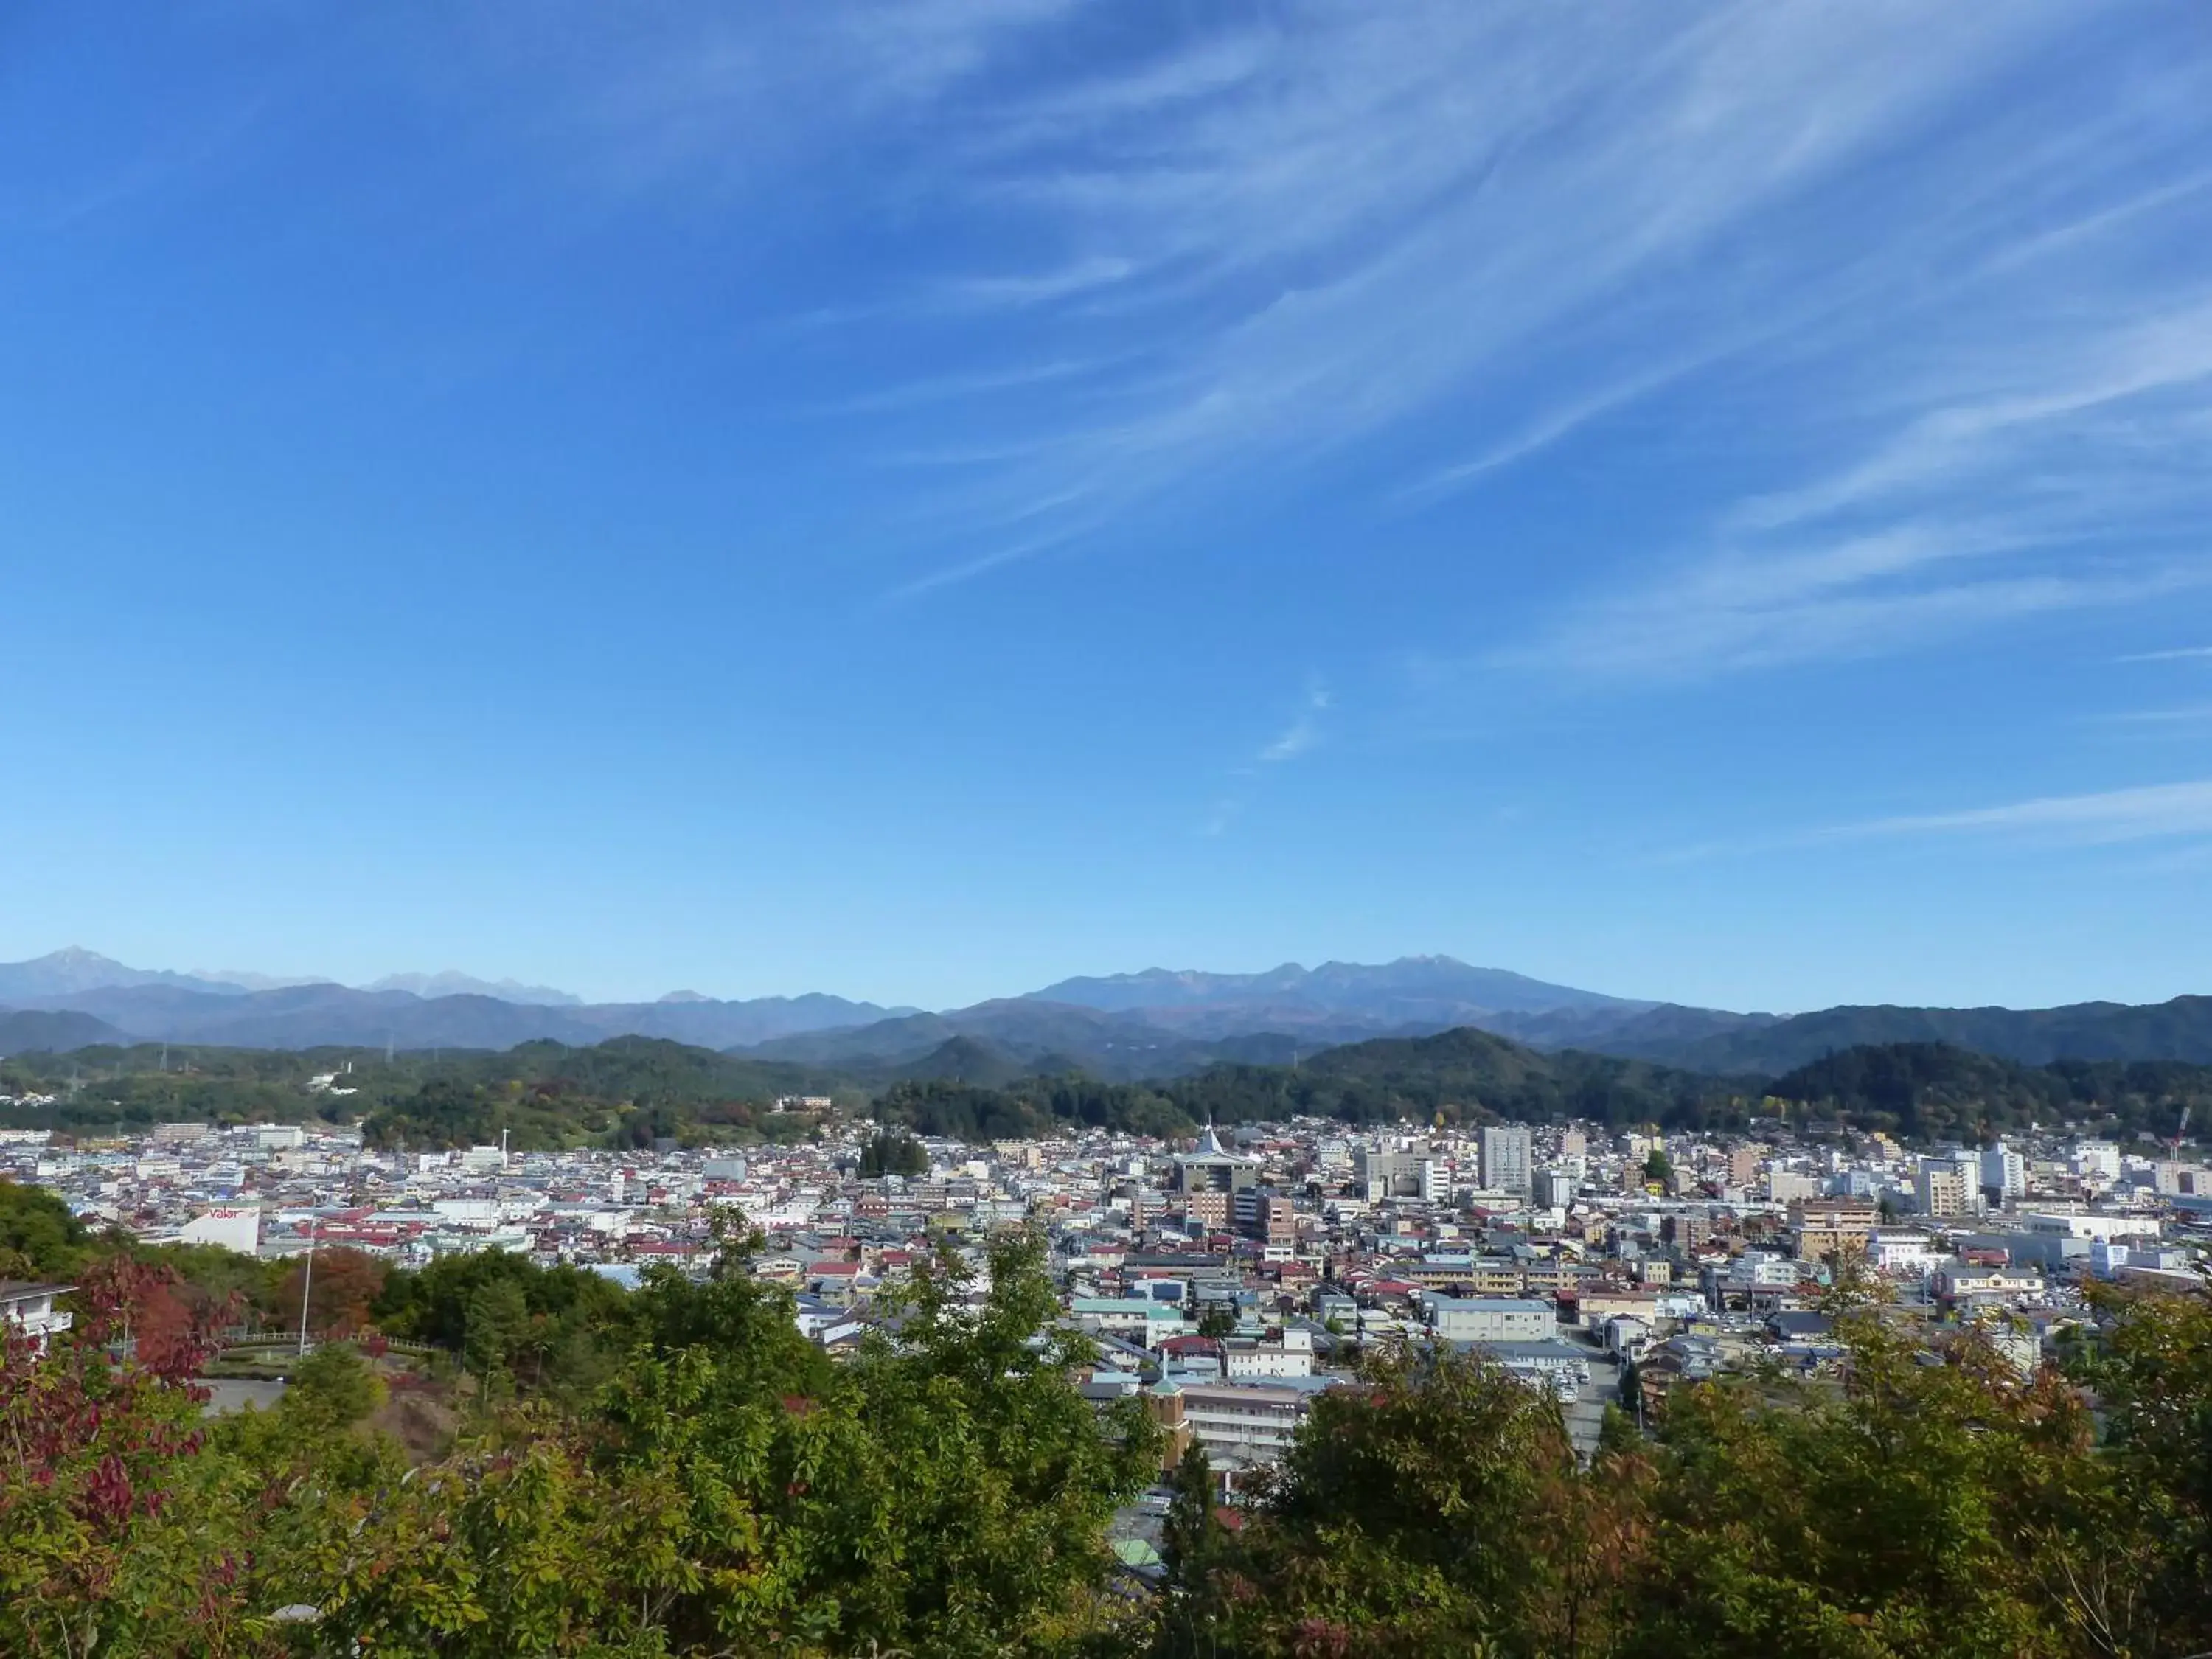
(2179, 1130)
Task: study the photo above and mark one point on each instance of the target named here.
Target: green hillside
(1937, 1091)
(626, 1090)
(2179, 1030)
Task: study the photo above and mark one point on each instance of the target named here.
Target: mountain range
(113, 1003)
(1121, 1027)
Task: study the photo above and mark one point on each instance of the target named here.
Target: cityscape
(1225, 1283)
(1031, 830)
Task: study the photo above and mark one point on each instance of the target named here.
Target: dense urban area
(1297, 1387)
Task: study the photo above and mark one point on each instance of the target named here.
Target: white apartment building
(1492, 1319)
(1507, 1166)
(30, 1308)
(1285, 1352)
(1252, 1418)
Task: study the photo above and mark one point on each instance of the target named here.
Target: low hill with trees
(1934, 1091)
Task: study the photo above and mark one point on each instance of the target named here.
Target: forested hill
(1937, 1091)
(1923, 1090)
(1464, 1076)
(1702, 1040)
(631, 1090)
(628, 1091)
(1468, 1074)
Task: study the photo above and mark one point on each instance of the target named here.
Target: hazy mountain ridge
(451, 982)
(1438, 989)
(1155, 1024)
(54, 1031)
(311, 1015)
(73, 969)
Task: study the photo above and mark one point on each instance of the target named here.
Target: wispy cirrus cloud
(2181, 654)
(2069, 482)
(2117, 814)
(2165, 811)
(1304, 730)
(1952, 244)
(1080, 277)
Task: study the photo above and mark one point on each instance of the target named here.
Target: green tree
(1217, 1320)
(2139, 1574)
(497, 1324)
(1911, 1512)
(39, 1236)
(1190, 1540)
(331, 1389)
(890, 1153)
(1421, 1513)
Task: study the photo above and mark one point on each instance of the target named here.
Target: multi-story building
(1492, 1319)
(2171, 1179)
(1214, 1170)
(1400, 1174)
(1686, 1232)
(1903, 1253)
(1253, 1419)
(1506, 1164)
(2096, 1161)
(1787, 1186)
(1831, 1228)
(30, 1308)
(1940, 1191)
(2004, 1172)
(1285, 1352)
(1264, 1213)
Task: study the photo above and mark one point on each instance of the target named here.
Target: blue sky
(914, 500)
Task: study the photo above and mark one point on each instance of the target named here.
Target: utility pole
(306, 1284)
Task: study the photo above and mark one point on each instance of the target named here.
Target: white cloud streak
(2118, 815)
(1486, 229)
(2183, 653)
(1303, 731)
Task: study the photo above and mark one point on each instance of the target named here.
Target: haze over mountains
(1154, 1024)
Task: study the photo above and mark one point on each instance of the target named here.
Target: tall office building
(1209, 1180)
(1507, 1166)
(2004, 1172)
